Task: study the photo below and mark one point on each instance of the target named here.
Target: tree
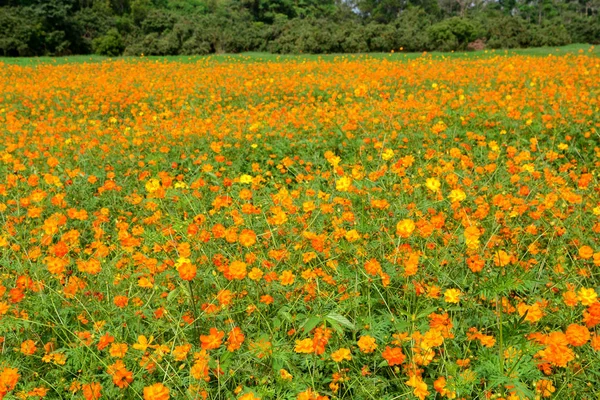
(382, 11)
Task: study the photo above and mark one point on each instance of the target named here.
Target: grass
(267, 57)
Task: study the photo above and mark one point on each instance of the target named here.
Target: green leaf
(425, 312)
(338, 328)
(310, 323)
(340, 319)
(286, 315)
(172, 295)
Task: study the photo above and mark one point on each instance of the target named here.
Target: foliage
(21, 32)
(110, 44)
(452, 34)
(508, 32)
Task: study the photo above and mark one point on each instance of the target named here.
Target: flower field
(352, 228)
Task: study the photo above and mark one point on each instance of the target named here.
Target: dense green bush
(21, 32)
(508, 32)
(550, 34)
(452, 34)
(582, 29)
(169, 27)
(411, 29)
(110, 44)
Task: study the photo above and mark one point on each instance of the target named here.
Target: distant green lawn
(257, 57)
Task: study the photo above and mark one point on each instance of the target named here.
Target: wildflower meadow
(347, 227)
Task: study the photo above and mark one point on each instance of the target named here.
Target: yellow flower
(152, 185)
(405, 228)
(352, 235)
(457, 195)
(182, 260)
(587, 297)
(285, 375)
(433, 184)
(334, 161)
(341, 355)
(387, 154)
(143, 343)
(452, 296)
(245, 179)
(248, 396)
(181, 185)
(343, 184)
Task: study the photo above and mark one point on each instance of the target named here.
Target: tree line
(191, 27)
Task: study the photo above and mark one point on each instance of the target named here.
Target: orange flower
(411, 264)
(91, 391)
(104, 341)
(91, 266)
(187, 271)
(372, 267)
(225, 297)
(118, 350)
(570, 298)
(247, 237)
(420, 387)
(237, 270)
(158, 391)
(591, 316)
(8, 380)
(28, 347)
(286, 278)
(248, 396)
(475, 263)
(180, 353)
(440, 386)
(200, 368)
(431, 338)
(143, 343)
(304, 346)
(595, 343)
(393, 355)
(321, 339)
(212, 341)
(556, 351)
(367, 344)
(121, 301)
(309, 394)
(235, 339)
(586, 252)
(577, 335)
(501, 258)
(120, 375)
(545, 387)
(534, 312)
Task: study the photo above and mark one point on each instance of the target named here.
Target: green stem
(195, 311)
(500, 342)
